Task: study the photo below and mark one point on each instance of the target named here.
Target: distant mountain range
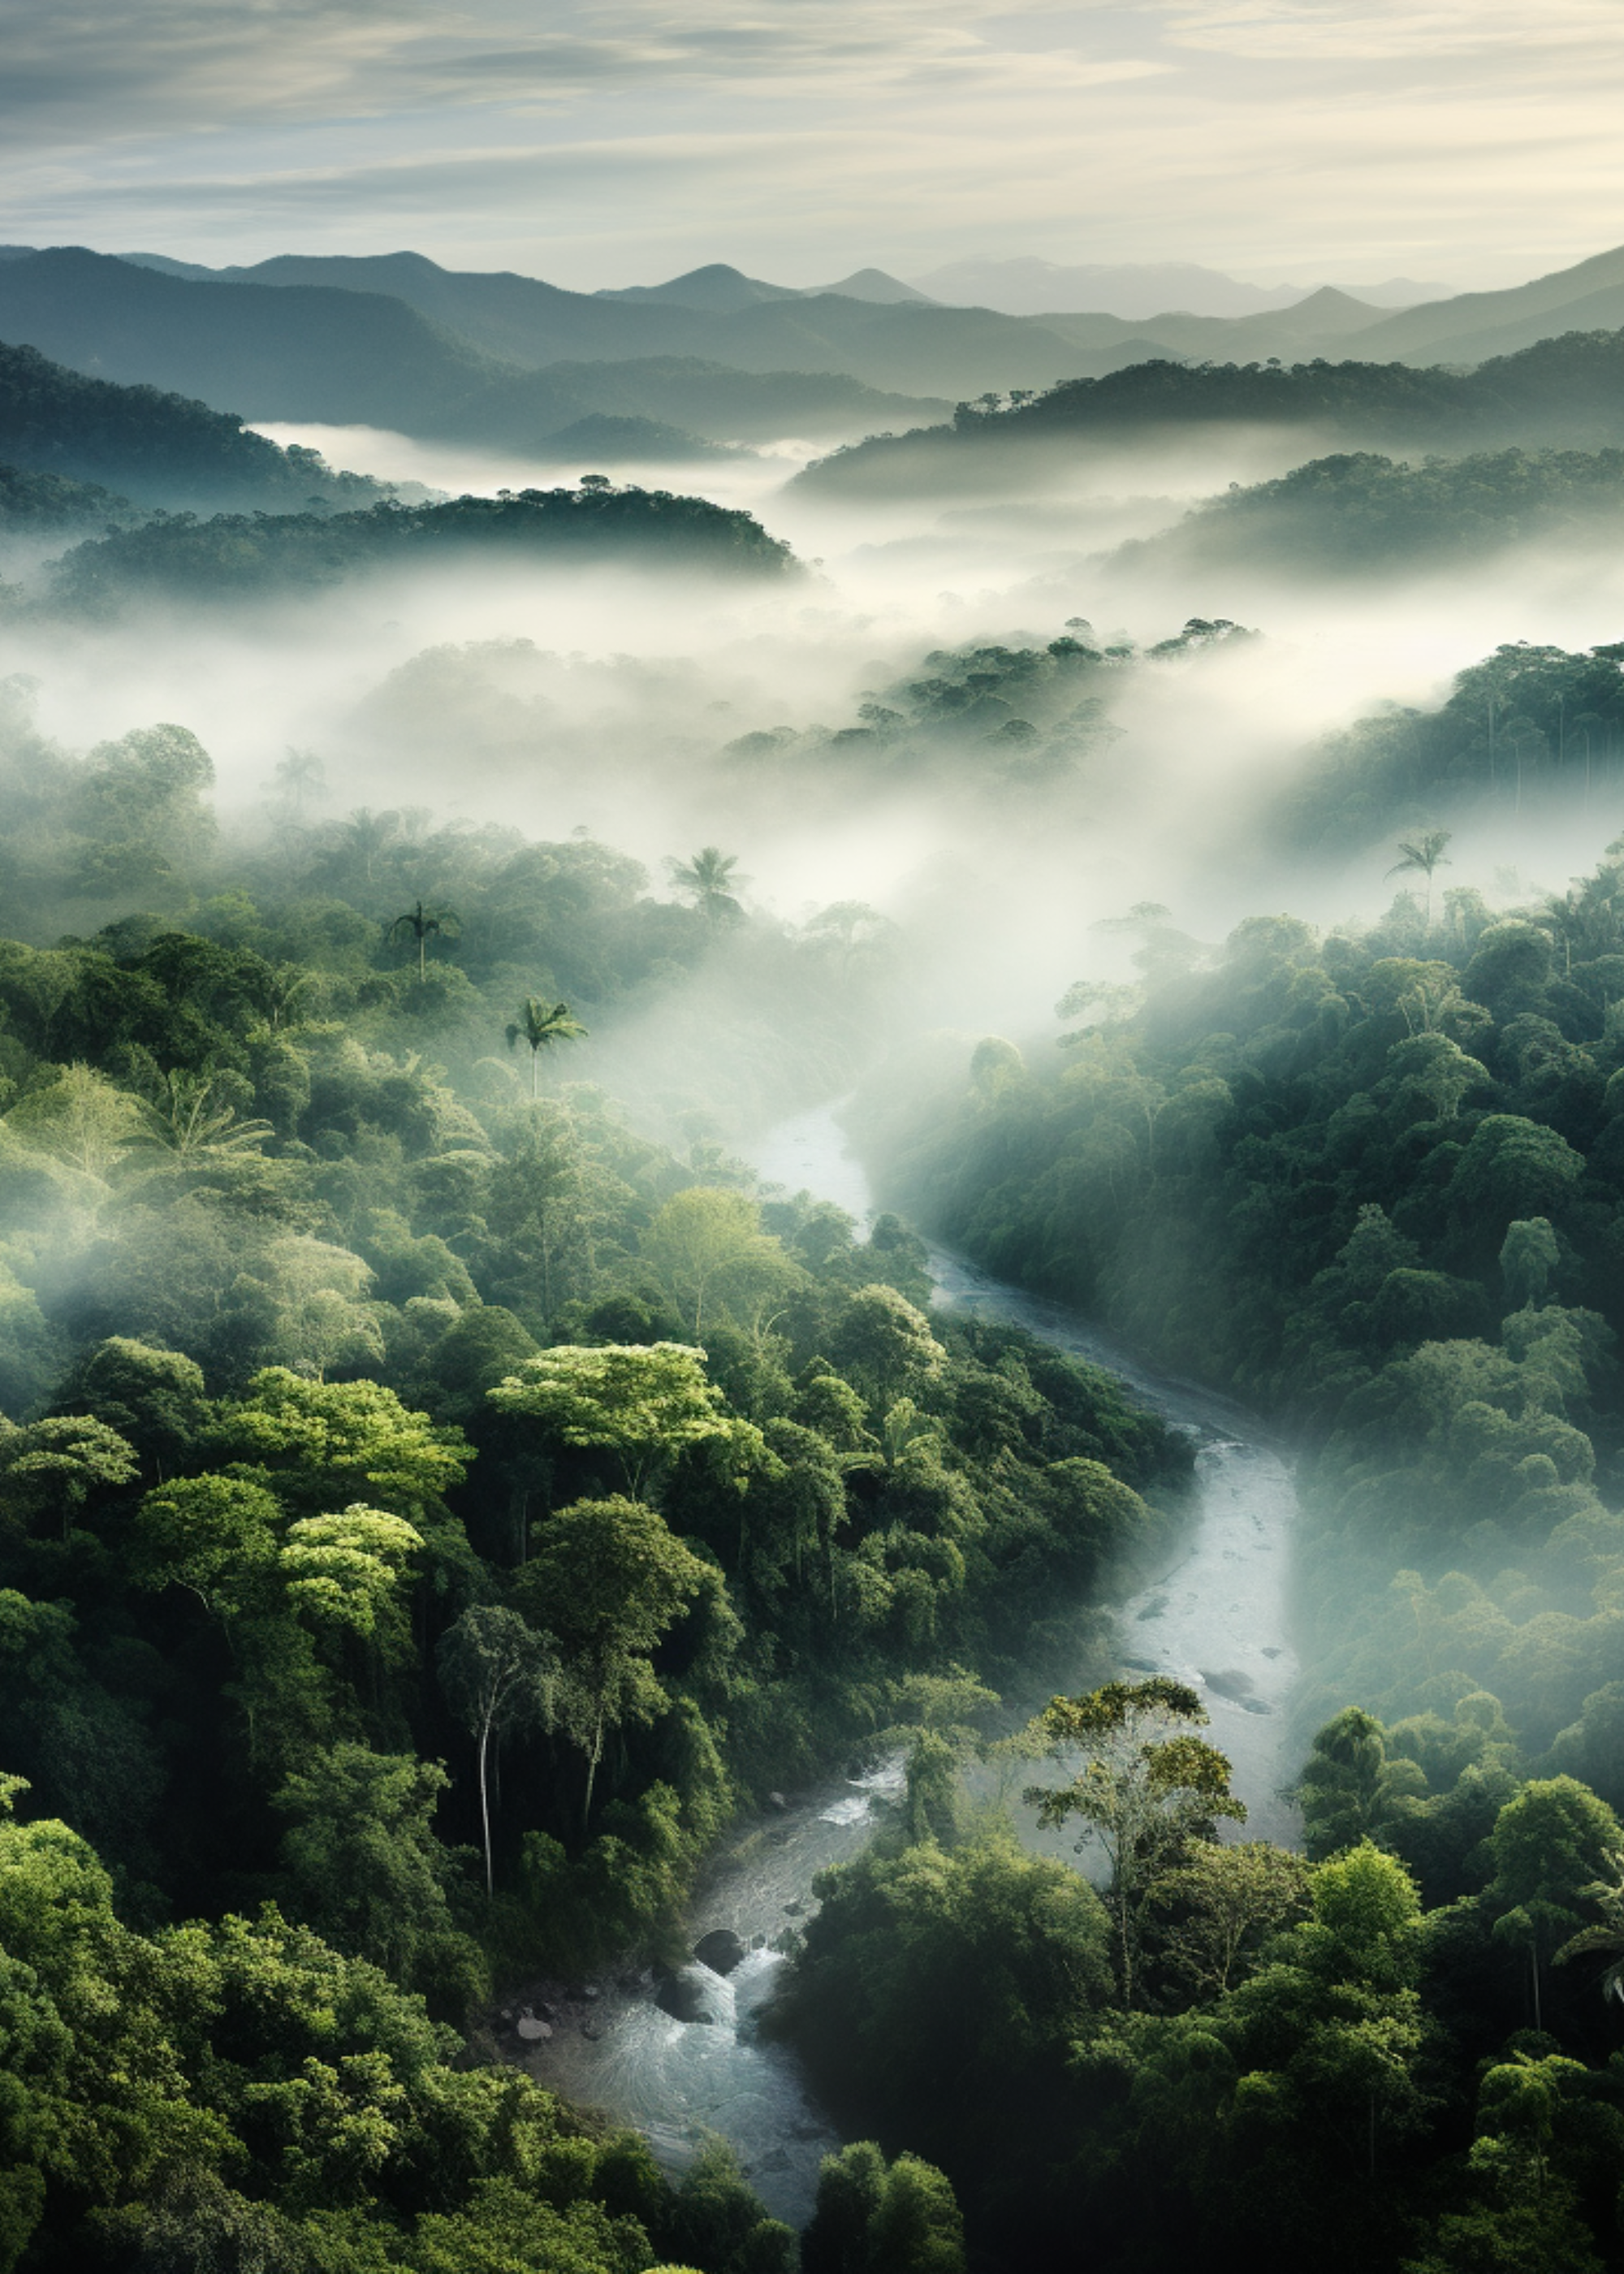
(723, 290)
(1028, 287)
(892, 334)
(315, 352)
(393, 340)
(1475, 326)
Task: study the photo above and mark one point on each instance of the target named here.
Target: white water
(1216, 1619)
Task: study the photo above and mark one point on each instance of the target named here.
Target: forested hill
(160, 450)
(353, 1357)
(1567, 390)
(526, 410)
(1362, 515)
(231, 555)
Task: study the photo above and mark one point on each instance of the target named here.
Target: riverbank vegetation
(1369, 1181)
(429, 1507)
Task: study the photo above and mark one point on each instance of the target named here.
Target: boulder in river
(720, 1950)
(694, 1993)
(1230, 1682)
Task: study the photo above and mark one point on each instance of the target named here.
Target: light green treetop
(643, 1401)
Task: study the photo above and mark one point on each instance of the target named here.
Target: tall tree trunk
(484, 1807)
(592, 1759)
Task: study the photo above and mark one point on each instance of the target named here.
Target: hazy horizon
(1292, 141)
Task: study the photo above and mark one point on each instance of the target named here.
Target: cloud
(1299, 31)
(615, 141)
(114, 71)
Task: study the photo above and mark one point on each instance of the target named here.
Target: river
(1216, 1617)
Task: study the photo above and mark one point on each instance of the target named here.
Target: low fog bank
(659, 711)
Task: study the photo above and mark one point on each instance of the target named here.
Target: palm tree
(1423, 856)
(1608, 1938)
(299, 776)
(421, 922)
(541, 1024)
(187, 1125)
(367, 833)
(710, 880)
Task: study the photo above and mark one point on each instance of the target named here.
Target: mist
(610, 702)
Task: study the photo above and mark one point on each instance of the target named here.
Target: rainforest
(811, 1451)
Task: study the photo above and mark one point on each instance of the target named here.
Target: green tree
(1226, 1902)
(711, 880)
(1350, 1789)
(878, 2218)
(190, 1127)
(1421, 855)
(1529, 1255)
(217, 1536)
(346, 1570)
(539, 1025)
(1147, 1787)
(885, 1345)
(1550, 1847)
(316, 1439)
(645, 1403)
(54, 1466)
(707, 1247)
(423, 925)
(607, 1578)
(314, 1299)
(154, 1397)
(80, 1119)
(360, 1852)
(499, 1674)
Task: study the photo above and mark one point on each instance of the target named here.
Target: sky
(1474, 141)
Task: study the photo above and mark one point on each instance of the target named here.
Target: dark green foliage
(240, 2094)
(1361, 513)
(235, 556)
(938, 1996)
(265, 1261)
(1562, 390)
(166, 449)
(34, 501)
(873, 2218)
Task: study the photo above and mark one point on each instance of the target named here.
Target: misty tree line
(1564, 388)
(1361, 513)
(236, 556)
(1023, 719)
(1529, 723)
